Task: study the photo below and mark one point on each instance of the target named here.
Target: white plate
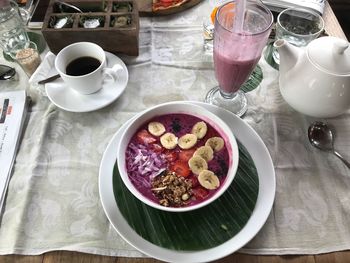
(68, 99)
(267, 186)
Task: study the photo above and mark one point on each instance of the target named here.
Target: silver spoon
(6, 72)
(69, 5)
(321, 136)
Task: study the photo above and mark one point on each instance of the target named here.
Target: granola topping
(172, 189)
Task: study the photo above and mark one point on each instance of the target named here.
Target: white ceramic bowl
(179, 108)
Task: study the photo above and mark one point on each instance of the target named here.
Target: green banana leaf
(254, 80)
(268, 56)
(200, 229)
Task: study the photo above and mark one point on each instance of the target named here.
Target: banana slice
(168, 140)
(156, 128)
(216, 143)
(206, 152)
(200, 129)
(208, 180)
(197, 164)
(187, 141)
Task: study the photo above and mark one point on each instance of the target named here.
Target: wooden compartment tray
(123, 39)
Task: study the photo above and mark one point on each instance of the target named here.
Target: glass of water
(12, 29)
(298, 26)
(208, 35)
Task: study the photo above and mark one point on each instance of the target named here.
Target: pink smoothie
(231, 73)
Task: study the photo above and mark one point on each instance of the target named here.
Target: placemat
(53, 200)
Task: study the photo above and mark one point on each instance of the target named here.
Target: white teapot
(316, 80)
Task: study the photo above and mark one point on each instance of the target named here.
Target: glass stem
(227, 95)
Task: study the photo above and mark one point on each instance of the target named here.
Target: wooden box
(123, 39)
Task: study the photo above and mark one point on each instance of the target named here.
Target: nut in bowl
(177, 157)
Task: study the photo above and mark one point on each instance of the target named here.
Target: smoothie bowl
(177, 157)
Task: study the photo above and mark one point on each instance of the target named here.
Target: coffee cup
(83, 67)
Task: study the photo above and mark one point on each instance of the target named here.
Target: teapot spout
(288, 53)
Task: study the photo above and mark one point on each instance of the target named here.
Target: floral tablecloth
(53, 200)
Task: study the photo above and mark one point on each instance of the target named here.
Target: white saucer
(68, 99)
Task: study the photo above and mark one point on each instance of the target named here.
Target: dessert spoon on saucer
(49, 79)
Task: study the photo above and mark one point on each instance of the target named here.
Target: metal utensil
(49, 79)
(321, 136)
(6, 72)
(69, 5)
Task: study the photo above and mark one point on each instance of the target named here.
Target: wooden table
(332, 25)
(332, 28)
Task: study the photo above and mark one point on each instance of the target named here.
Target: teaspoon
(321, 136)
(6, 72)
(49, 79)
(69, 5)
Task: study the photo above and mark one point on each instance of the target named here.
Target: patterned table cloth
(53, 201)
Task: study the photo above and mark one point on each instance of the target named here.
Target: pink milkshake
(231, 73)
(241, 30)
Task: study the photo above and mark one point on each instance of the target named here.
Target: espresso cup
(83, 67)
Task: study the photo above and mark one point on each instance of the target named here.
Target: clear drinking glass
(208, 26)
(27, 57)
(12, 28)
(208, 34)
(298, 26)
(239, 38)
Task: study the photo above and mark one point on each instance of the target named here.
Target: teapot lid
(332, 54)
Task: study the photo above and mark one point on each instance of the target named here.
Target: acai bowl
(177, 157)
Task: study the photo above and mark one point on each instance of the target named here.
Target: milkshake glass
(241, 31)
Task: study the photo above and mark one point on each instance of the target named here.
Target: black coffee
(81, 66)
